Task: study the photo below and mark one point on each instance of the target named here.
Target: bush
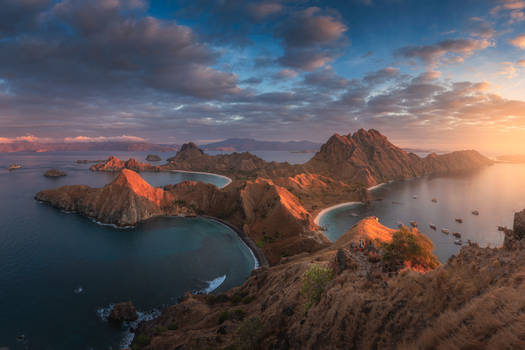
(250, 334)
(412, 248)
(223, 317)
(140, 341)
(315, 281)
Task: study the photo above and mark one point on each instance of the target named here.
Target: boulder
(123, 312)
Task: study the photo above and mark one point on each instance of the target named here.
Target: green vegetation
(173, 326)
(236, 315)
(250, 334)
(315, 281)
(225, 315)
(159, 330)
(140, 341)
(412, 248)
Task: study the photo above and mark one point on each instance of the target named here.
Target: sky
(439, 74)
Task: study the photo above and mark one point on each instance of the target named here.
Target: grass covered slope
(338, 299)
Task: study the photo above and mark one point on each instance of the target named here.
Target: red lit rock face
(115, 164)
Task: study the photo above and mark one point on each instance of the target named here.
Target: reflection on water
(496, 192)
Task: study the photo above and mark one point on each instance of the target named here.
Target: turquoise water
(46, 254)
(496, 192)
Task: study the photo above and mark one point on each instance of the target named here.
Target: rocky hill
(267, 213)
(475, 301)
(114, 164)
(84, 146)
(124, 202)
(368, 158)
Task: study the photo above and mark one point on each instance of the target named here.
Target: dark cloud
(20, 16)
(310, 39)
(104, 45)
(381, 76)
(431, 54)
(326, 79)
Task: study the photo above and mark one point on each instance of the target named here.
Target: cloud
(511, 8)
(509, 71)
(519, 41)
(326, 79)
(25, 138)
(381, 76)
(113, 44)
(310, 38)
(521, 63)
(261, 10)
(285, 74)
(122, 138)
(452, 50)
(480, 28)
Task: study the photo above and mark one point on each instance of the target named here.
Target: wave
(212, 285)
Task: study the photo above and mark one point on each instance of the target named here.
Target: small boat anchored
(475, 212)
(502, 228)
(459, 220)
(457, 234)
(434, 200)
(458, 242)
(445, 231)
(413, 223)
(432, 226)
(14, 167)
(354, 215)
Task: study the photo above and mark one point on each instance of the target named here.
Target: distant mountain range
(85, 146)
(229, 145)
(241, 145)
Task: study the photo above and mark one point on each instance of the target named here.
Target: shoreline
(228, 180)
(318, 217)
(257, 253)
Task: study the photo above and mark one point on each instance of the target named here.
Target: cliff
(269, 214)
(126, 201)
(475, 301)
(114, 164)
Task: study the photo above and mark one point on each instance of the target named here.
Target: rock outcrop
(126, 201)
(113, 164)
(153, 158)
(54, 173)
(122, 312)
(475, 301)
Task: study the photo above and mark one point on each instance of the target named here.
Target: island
(54, 173)
(153, 158)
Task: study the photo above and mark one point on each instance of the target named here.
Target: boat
(434, 200)
(354, 215)
(413, 223)
(457, 234)
(14, 167)
(458, 242)
(415, 197)
(501, 228)
(459, 220)
(475, 212)
(445, 230)
(432, 226)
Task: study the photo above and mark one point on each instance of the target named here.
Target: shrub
(315, 281)
(140, 341)
(223, 317)
(412, 248)
(250, 334)
(173, 326)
